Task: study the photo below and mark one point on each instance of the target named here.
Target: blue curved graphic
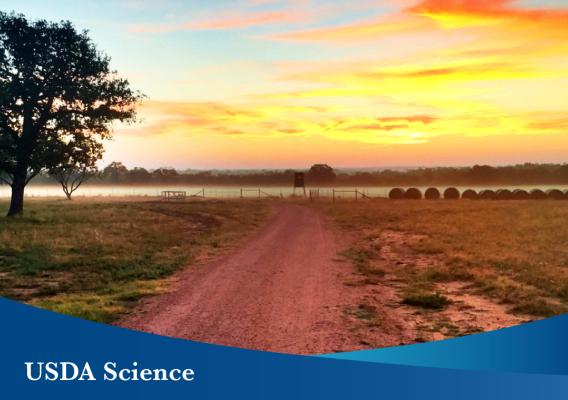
(31, 334)
(536, 347)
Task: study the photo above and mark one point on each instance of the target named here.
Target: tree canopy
(58, 100)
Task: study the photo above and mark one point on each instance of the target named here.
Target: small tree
(77, 166)
(56, 89)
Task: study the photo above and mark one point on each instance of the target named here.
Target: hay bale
(487, 194)
(555, 194)
(521, 194)
(470, 194)
(451, 194)
(432, 194)
(413, 194)
(537, 194)
(504, 194)
(396, 194)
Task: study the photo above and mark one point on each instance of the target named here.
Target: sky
(361, 83)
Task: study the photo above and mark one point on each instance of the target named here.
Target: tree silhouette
(57, 92)
(78, 163)
(115, 172)
(321, 173)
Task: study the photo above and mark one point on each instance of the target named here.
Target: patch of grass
(363, 261)
(515, 252)
(95, 258)
(539, 307)
(433, 301)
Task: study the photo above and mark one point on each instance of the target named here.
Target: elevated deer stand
(299, 182)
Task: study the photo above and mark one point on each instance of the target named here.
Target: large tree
(57, 91)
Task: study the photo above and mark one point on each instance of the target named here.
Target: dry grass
(95, 258)
(515, 252)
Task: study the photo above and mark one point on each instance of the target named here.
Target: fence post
(333, 195)
(356, 194)
(241, 193)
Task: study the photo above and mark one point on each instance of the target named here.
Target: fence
(356, 194)
(259, 193)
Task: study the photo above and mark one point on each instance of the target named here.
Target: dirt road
(280, 292)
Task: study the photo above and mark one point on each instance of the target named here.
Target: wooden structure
(168, 195)
(300, 182)
(356, 194)
(314, 194)
(258, 193)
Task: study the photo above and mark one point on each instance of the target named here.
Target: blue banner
(106, 362)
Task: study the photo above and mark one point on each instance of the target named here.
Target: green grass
(515, 252)
(95, 259)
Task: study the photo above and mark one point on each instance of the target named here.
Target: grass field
(514, 252)
(94, 259)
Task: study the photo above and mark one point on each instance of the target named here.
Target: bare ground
(467, 313)
(287, 290)
(279, 292)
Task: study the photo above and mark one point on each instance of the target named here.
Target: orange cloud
(558, 125)
(430, 15)
(486, 9)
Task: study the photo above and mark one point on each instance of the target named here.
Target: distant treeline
(321, 174)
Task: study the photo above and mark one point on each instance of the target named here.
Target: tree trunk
(17, 201)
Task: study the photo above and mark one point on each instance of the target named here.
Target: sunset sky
(288, 83)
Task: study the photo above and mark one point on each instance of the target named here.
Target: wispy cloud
(227, 21)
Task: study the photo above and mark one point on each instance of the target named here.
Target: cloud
(370, 29)
(432, 15)
(557, 125)
(472, 11)
(230, 21)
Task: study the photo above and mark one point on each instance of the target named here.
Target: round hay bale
(555, 194)
(413, 194)
(396, 194)
(451, 194)
(470, 194)
(487, 194)
(432, 194)
(504, 194)
(537, 194)
(521, 194)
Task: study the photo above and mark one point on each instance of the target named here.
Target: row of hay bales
(470, 194)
